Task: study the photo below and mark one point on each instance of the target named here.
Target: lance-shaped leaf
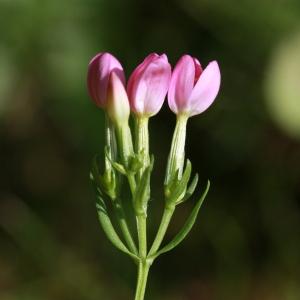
(104, 219)
(118, 167)
(142, 192)
(190, 190)
(186, 227)
(95, 174)
(108, 227)
(178, 191)
(106, 182)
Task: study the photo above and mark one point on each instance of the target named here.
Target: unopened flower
(192, 90)
(100, 68)
(117, 105)
(148, 85)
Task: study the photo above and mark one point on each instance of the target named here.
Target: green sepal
(173, 181)
(179, 186)
(118, 167)
(142, 193)
(108, 227)
(186, 227)
(190, 190)
(106, 182)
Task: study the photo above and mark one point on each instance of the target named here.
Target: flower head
(100, 68)
(148, 85)
(192, 90)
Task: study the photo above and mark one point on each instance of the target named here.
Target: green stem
(176, 156)
(142, 235)
(143, 271)
(166, 218)
(132, 183)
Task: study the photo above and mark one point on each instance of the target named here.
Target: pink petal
(148, 85)
(134, 78)
(198, 69)
(206, 89)
(99, 71)
(117, 101)
(181, 85)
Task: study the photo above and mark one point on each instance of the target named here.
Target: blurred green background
(246, 243)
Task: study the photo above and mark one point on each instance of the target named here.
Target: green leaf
(186, 227)
(119, 167)
(190, 190)
(106, 182)
(108, 227)
(142, 192)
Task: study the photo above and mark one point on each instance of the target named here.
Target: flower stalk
(164, 224)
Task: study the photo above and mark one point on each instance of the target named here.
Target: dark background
(246, 243)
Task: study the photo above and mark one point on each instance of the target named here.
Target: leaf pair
(135, 163)
(108, 227)
(103, 216)
(186, 227)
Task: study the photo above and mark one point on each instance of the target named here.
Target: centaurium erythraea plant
(127, 159)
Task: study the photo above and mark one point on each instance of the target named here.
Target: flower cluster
(190, 91)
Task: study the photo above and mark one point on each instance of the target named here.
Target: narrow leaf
(186, 227)
(108, 227)
(120, 168)
(106, 182)
(190, 190)
(95, 174)
(142, 193)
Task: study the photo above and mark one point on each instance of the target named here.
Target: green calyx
(177, 151)
(142, 192)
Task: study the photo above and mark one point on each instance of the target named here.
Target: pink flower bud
(148, 85)
(117, 101)
(99, 71)
(192, 90)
